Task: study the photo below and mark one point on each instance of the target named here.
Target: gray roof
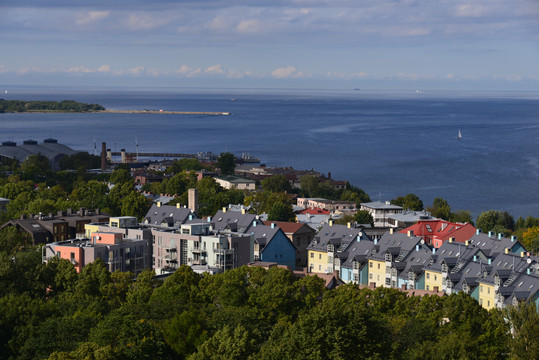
(492, 246)
(234, 221)
(338, 235)
(264, 234)
(398, 244)
(167, 215)
(357, 251)
(381, 205)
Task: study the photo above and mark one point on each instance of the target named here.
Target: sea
(389, 143)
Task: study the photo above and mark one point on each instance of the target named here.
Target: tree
(440, 208)
(227, 163)
(121, 176)
(461, 216)
(309, 185)
(494, 220)
(135, 204)
(225, 344)
(276, 183)
(180, 182)
(530, 239)
(410, 202)
(281, 212)
(363, 217)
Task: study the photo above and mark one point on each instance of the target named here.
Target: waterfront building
(435, 232)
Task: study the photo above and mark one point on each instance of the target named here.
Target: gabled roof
(289, 227)
(442, 230)
(381, 205)
(243, 222)
(167, 214)
(339, 235)
(265, 234)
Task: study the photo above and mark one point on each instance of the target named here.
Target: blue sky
(385, 44)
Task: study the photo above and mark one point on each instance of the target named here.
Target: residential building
(408, 218)
(381, 212)
(235, 182)
(64, 225)
(272, 245)
(436, 232)
(330, 205)
(301, 236)
(126, 255)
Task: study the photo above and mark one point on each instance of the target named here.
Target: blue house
(272, 244)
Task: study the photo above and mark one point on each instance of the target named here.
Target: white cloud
(104, 69)
(470, 10)
(187, 71)
(91, 17)
(288, 72)
(139, 21)
(215, 69)
(249, 26)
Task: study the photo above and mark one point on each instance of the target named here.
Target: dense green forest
(49, 311)
(54, 106)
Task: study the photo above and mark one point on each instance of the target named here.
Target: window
(320, 256)
(370, 264)
(312, 255)
(428, 288)
(370, 276)
(435, 277)
(428, 275)
(319, 267)
(378, 265)
(481, 288)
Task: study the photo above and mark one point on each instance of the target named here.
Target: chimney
(124, 157)
(451, 240)
(522, 253)
(224, 209)
(410, 233)
(433, 251)
(190, 216)
(273, 225)
(491, 233)
(192, 195)
(489, 261)
(528, 271)
(358, 238)
(375, 241)
(159, 204)
(391, 231)
(330, 222)
(477, 231)
(209, 218)
(417, 247)
(475, 258)
(349, 225)
(513, 238)
(103, 156)
(242, 211)
(109, 155)
(507, 250)
(467, 243)
(254, 223)
(178, 206)
(500, 236)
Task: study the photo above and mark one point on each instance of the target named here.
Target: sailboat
(459, 136)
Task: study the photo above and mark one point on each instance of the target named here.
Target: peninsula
(47, 106)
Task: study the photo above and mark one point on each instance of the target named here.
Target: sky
(378, 44)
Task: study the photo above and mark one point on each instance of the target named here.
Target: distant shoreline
(163, 112)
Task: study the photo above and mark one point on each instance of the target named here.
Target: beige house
(235, 182)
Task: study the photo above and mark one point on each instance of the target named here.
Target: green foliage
(409, 202)
(227, 163)
(80, 159)
(184, 165)
(276, 183)
(281, 212)
(440, 208)
(461, 216)
(498, 221)
(363, 217)
(530, 239)
(179, 183)
(120, 177)
(63, 106)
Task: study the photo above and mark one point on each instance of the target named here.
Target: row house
(272, 245)
(63, 225)
(324, 251)
(387, 261)
(325, 204)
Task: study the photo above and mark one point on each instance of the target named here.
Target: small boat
(233, 99)
(459, 136)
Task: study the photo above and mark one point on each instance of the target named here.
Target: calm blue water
(388, 143)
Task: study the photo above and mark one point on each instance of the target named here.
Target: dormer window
(444, 268)
(388, 257)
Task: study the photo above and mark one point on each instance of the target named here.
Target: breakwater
(164, 112)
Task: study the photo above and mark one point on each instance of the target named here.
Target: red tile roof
(315, 211)
(287, 227)
(441, 230)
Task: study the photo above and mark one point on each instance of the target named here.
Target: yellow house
(487, 295)
(433, 279)
(377, 272)
(317, 261)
